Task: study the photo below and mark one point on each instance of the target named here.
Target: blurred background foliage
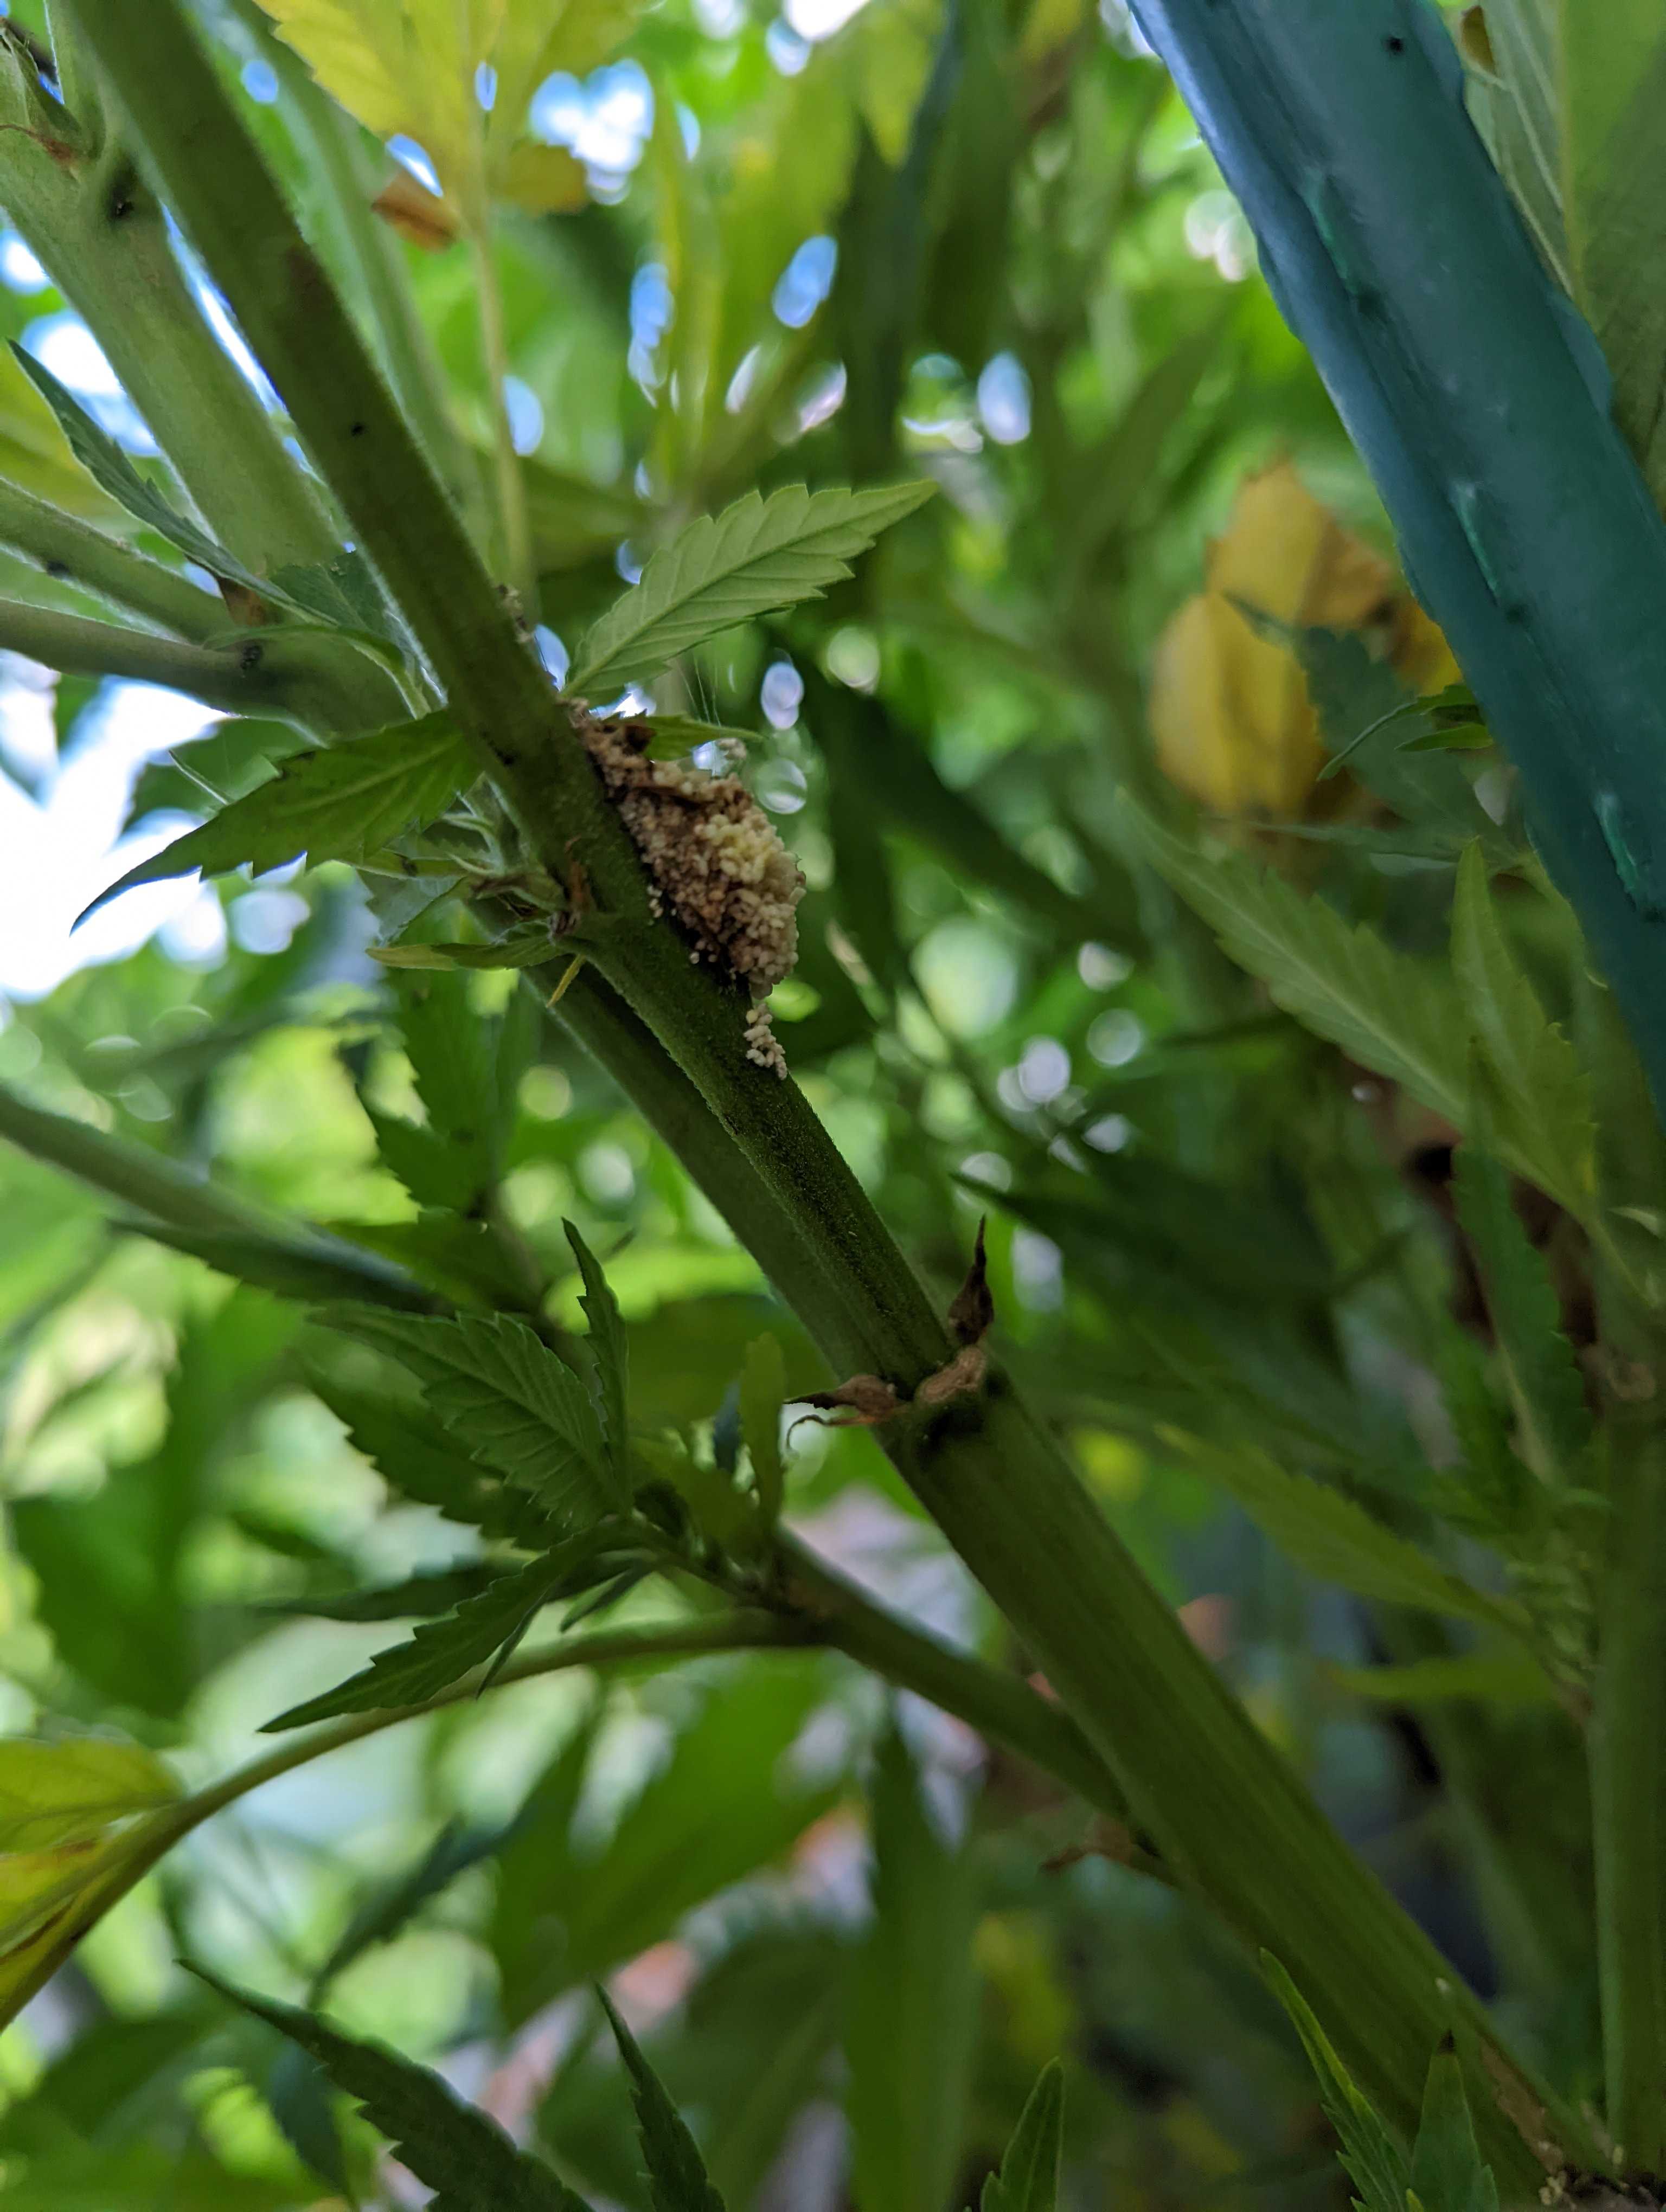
(976, 240)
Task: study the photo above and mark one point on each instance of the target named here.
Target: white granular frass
(763, 1045)
(714, 857)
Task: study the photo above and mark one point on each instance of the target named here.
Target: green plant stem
(151, 1839)
(515, 525)
(77, 75)
(168, 1195)
(1223, 1808)
(292, 675)
(1002, 1710)
(735, 1631)
(101, 234)
(999, 1706)
(366, 249)
(75, 552)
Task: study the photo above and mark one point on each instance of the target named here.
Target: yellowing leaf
(410, 68)
(35, 454)
(1230, 711)
(56, 1794)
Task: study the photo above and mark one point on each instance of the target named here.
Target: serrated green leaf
(1546, 1384)
(68, 1792)
(337, 804)
(676, 2177)
(762, 1393)
(1331, 1537)
(439, 1178)
(1358, 700)
(294, 1265)
(1371, 2153)
(1390, 1013)
(343, 594)
(1029, 2177)
(1448, 2174)
(297, 2093)
(610, 1360)
(465, 1259)
(442, 1652)
(1496, 1496)
(451, 1159)
(506, 1399)
(463, 2157)
(757, 557)
(420, 1461)
(1543, 1091)
(1401, 1016)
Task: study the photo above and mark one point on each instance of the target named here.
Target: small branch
(205, 1216)
(999, 1706)
(77, 553)
(152, 1839)
(310, 677)
(520, 569)
(76, 645)
(621, 1647)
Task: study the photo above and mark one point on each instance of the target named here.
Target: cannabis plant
(973, 1380)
